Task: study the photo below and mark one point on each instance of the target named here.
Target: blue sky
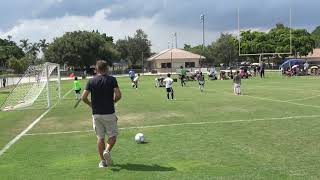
(37, 19)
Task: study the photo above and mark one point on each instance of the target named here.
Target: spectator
(306, 67)
(262, 67)
(4, 82)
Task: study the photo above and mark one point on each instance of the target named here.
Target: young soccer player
(135, 81)
(183, 76)
(131, 74)
(77, 87)
(236, 84)
(201, 81)
(168, 81)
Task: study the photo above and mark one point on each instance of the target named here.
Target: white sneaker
(107, 157)
(103, 164)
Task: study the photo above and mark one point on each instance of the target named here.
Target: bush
(18, 65)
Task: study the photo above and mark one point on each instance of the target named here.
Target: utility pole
(176, 38)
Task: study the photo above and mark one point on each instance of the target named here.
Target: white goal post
(39, 86)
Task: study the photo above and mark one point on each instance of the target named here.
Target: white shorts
(236, 85)
(105, 124)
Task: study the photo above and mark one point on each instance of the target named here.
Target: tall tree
(132, 48)
(34, 49)
(201, 51)
(225, 49)
(302, 42)
(81, 48)
(277, 40)
(122, 47)
(43, 45)
(25, 45)
(9, 49)
(9, 37)
(316, 36)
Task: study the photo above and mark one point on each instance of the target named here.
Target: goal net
(39, 87)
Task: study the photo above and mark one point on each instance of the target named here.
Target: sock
(168, 96)
(172, 95)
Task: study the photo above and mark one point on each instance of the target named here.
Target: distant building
(174, 59)
(311, 58)
(314, 57)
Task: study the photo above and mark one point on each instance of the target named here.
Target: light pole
(176, 39)
(202, 18)
(171, 62)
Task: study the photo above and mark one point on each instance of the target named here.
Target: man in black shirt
(105, 92)
(262, 67)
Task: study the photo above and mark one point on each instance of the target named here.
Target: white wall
(176, 62)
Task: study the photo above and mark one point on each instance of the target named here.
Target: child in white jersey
(168, 81)
(201, 81)
(237, 84)
(135, 81)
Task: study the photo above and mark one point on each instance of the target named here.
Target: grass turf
(256, 147)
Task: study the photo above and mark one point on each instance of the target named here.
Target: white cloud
(159, 34)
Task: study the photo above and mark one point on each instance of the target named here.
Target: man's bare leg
(109, 146)
(101, 147)
(111, 143)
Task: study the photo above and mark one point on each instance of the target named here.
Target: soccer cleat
(107, 157)
(103, 164)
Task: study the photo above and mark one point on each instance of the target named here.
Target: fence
(10, 80)
(157, 70)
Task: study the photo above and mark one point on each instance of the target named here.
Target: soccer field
(272, 131)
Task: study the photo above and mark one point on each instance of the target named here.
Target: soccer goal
(39, 87)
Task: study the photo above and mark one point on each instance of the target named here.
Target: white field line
(311, 97)
(181, 124)
(283, 88)
(67, 94)
(281, 101)
(14, 140)
(268, 99)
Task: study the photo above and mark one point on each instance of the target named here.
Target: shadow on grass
(4, 92)
(140, 167)
(145, 142)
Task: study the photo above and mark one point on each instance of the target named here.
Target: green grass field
(272, 131)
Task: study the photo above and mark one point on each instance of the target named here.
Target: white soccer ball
(139, 138)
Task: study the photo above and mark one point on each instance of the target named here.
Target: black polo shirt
(101, 88)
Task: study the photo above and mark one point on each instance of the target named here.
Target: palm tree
(25, 45)
(34, 49)
(43, 45)
(9, 38)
